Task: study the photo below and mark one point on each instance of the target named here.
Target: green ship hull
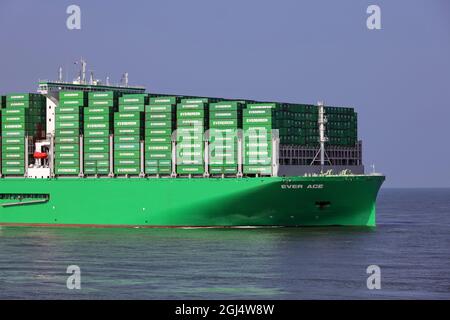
(196, 202)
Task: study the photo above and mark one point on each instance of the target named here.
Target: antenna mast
(83, 71)
(322, 120)
(322, 138)
(126, 79)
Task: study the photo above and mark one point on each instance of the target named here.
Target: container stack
(98, 125)
(192, 122)
(24, 116)
(68, 128)
(258, 123)
(225, 118)
(128, 133)
(159, 123)
(342, 126)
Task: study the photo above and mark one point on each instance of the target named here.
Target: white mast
(322, 138)
(83, 71)
(322, 120)
(126, 79)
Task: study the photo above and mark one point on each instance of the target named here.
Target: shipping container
(163, 100)
(163, 108)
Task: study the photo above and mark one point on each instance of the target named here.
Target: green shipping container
(13, 171)
(127, 123)
(13, 163)
(190, 107)
(264, 170)
(223, 115)
(233, 123)
(159, 116)
(97, 125)
(68, 125)
(132, 108)
(129, 99)
(24, 104)
(127, 162)
(20, 148)
(163, 100)
(96, 148)
(163, 108)
(97, 110)
(127, 139)
(68, 117)
(15, 141)
(67, 147)
(200, 113)
(190, 169)
(223, 169)
(67, 162)
(224, 106)
(96, 156)
(67, 170)
(103, 95)
(191, 122)
(257, 122)
(122, 170)
(13, 155)
(101, 103)
(194, 100)
(118, 116)
(126, 154)
(67, 155)
(93, 141)
(190, 130)
(13, 118)
(105, 117)
(24, 96)
(72, 95)
(156, 155)
(168, 124)
(255, 106)
(60, 110)
(158, 139)
(127, 131)
(67, 133)
(197, 137)
(14, 134)
(162, 147)
(158, 131)
(72, 103)
(95, 133)
(164, 169)
(127, 146)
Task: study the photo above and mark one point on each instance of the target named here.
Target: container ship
(91, 154)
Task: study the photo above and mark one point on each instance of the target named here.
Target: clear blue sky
(397, 78)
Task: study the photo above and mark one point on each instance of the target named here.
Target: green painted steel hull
(168, 202)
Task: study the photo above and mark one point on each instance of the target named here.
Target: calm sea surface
(411, 245)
